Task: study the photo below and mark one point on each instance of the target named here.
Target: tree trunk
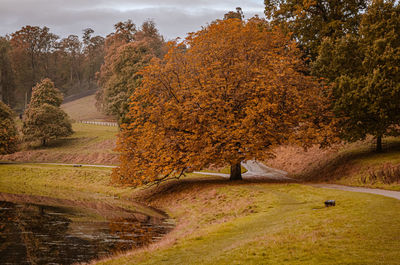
(379, 143)
(236, 172)
(43, 142)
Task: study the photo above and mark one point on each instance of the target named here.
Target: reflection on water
(35, 234)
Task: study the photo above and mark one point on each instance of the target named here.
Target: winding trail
(386, 193)
(256, 169)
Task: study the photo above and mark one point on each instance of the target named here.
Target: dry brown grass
(84, 109)
(316, 164)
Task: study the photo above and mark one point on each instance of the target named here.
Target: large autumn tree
(8, 131)
(310, 21)
(44, 119)
(365, 74)
(228, 93)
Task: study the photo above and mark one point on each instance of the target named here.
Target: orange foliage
(228, 93)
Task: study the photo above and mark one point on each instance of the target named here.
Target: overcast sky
(174, 18)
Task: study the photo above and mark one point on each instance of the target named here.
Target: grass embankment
(345, 164)
(260, 223)
(90, 144)
(222, 222)
(88, 186)
(84, 109)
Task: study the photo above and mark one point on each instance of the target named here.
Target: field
(84, 109)
(266, 223)
(90, 144)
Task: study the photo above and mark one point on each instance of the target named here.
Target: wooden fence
(101, 123)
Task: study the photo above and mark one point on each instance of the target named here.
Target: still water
(37, 234)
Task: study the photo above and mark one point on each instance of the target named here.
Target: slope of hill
(84, 109)
(355, 164)
(90, 144)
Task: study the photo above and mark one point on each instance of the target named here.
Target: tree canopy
(7, 82)
(44, 119)
(128, 50)
(364, 71)
(8, 131)
(311, 21)
(228, 93)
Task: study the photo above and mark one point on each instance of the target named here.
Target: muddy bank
(103, 209)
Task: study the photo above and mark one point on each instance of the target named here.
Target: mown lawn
(261, 223)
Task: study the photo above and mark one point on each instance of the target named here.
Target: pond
(41, 234)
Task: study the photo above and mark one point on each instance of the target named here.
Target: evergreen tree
(44, 119)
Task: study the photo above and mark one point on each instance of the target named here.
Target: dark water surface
(37, 234)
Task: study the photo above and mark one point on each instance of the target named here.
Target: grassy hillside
(350, 164)
(90, 144)
(84, 109)
(266, 223)
(221, 222)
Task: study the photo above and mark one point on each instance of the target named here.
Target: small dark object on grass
(77, 165)
(330, 203)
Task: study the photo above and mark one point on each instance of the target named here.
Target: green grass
(277, 224)
(84, 184)
(222, 222)
(84, 137)
(90, 144)
(57, 181)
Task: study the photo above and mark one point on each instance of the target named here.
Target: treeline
(33, 53)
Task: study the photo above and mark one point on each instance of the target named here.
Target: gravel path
(255, 169)
(387, 193)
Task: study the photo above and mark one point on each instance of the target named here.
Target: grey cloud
(174, 18)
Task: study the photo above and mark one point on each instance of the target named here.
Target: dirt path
(387, 193)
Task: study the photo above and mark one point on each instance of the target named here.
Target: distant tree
(72, 46)
(8, 132)
(94, 55)
(120, 74)
(123, 34)
(311, 21)
(7, 82)
(31, 47)
(238, 14)
(365, 74)
(44, 120)
(228, 93)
